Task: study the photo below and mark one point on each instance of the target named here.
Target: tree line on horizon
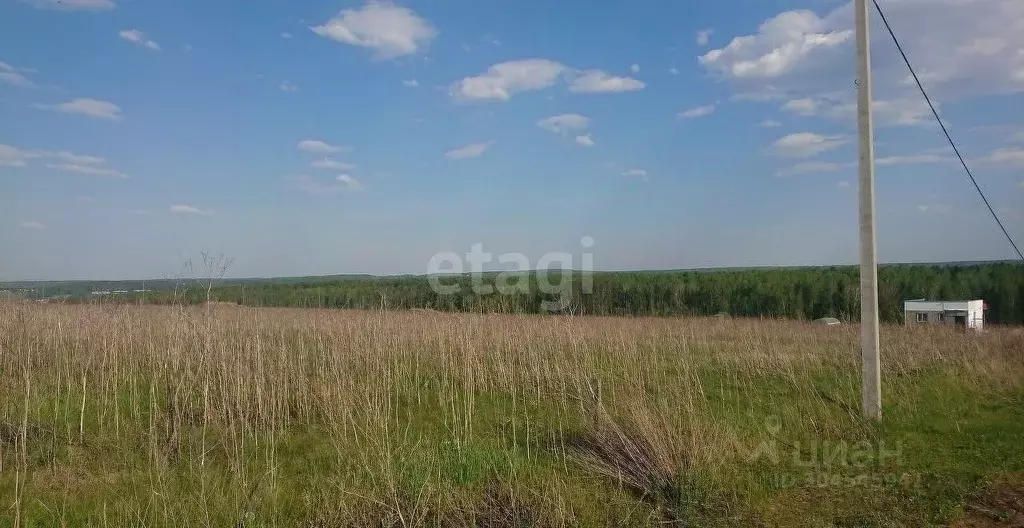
(798, 293)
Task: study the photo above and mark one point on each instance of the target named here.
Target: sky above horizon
(327, 137)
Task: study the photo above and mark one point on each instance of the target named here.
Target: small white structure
(967, 314)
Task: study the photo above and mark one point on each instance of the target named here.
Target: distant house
(967, 314)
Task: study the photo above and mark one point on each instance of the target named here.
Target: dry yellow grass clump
(223, 416)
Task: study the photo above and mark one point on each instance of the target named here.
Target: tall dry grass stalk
(180, 415)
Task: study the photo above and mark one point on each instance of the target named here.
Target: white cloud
(673, 71)
(903, 111)
(805, 106)
(74, 5)
(1005, 156)
(10, 75)
(319, 147)
(806, 144)
(704, 35)
(138, 37)
(188, 209)
(86, 107)
(71, 157)
(411, 83)
(635, 68)
(640, 174)
(31, 224)
(90, 170)
(14, 157)
(501, 81)
(780, 46)
(87, 199)
(287, 86)
(799, 53)
(769, 123)
(389, 30)
(697, 111)
(598, 81)
(349, 182)
(469, 151)
(331, 164)
(585, 141)
(938, 209)
(286, 35)
(912, 160)
(564, 123)
(808, 167)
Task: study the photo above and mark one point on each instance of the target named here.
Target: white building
(968, 314)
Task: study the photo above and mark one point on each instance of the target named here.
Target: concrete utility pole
(870, 375)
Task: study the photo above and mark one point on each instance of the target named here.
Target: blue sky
(348, 137)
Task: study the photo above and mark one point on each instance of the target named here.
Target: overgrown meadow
(117, 415)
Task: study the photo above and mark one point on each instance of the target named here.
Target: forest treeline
(800, 293)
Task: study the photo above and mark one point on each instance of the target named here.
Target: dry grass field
(225, 416)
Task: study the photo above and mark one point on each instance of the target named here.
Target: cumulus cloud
(501, 81)
(137, 37)
(349, 182)
(806, 144)
(769, 123)
(805, 106)
(1005, 156)
(469, 151)
(635, 68)
(86, 107)
(697, 111)
(319, 147)
(189, 209)
(14, 157)
(331, 164)
(411, 83)
(781, 44)
(389, 30)
(799, 53)
(640, 174)
(599, 81)
(31, 224)
(286, 35)
(287, 86)
(704, 35)
(564, 123)
(90, 170)
(585, 140)
(13, 76)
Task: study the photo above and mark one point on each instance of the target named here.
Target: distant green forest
(800, 293)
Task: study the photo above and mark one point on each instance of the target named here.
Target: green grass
(284, 417)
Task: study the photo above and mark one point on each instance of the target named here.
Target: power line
(943, 126)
